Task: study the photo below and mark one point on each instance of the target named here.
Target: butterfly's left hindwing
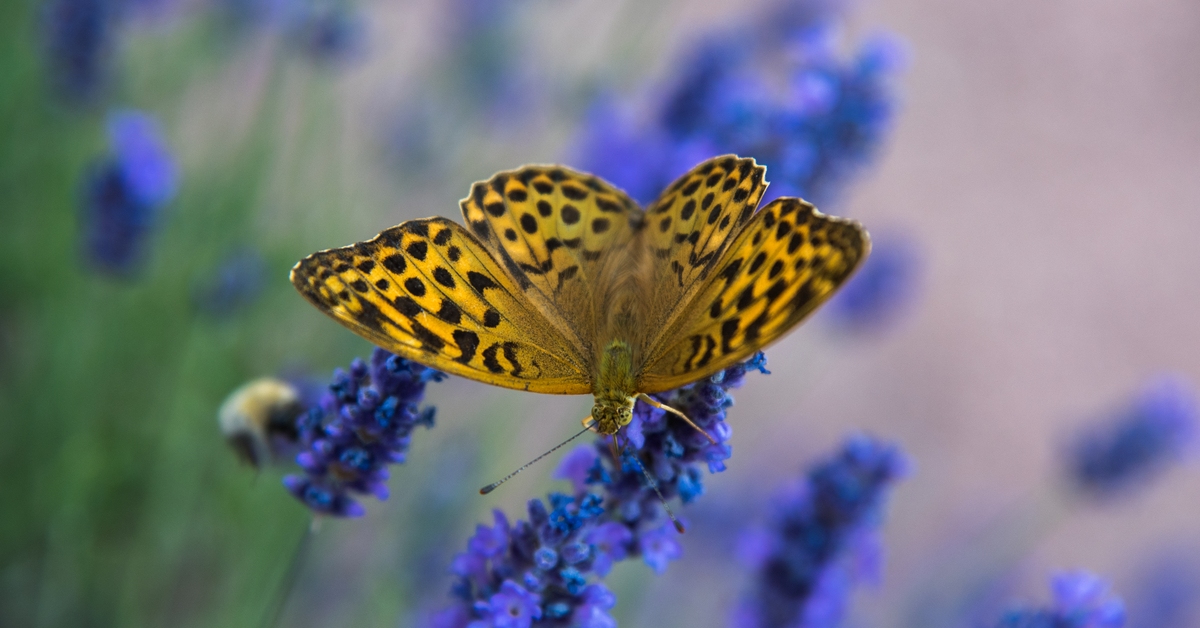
(428, 291)
(784, 264)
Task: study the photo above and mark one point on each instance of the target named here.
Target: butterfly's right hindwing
(428, 291)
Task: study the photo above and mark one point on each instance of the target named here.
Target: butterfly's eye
(624, 416)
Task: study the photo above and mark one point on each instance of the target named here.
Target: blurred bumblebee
(258, 420)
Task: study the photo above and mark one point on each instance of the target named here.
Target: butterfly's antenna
(654, 485)
(491, 487)
(662, 406)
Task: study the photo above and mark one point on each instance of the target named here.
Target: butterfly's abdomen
(614, 388)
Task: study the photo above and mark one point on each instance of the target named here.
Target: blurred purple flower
(778, 93)
(330, 35)
(553, 553)
(1166, 593)
(1081, 600)
(814, 550)
(235, 284)
(125, 192)
(362, 424)
(1157, 428)
(882, 289)
(142, 156)
(79, 38)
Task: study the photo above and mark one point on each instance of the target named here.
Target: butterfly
(560, 283)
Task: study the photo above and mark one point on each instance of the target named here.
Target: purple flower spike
(821, 539)
(1157, 428)
(1081, 600)
(612, 515)
(363, 423)
(778, 91)
(124, 193)
(880, 292)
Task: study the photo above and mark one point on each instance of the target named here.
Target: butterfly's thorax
(614, 388)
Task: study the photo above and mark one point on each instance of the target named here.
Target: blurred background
(1027, 170)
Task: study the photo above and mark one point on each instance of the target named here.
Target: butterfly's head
(611, 413)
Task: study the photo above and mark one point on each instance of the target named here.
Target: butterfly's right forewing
(428, 291)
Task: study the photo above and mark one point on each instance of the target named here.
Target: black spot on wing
(480, 281)
(395, 264)
(468, 343)
(565, 275)
(728, 333)
(709, 345)
(606, 205)
(510, 354)
(406, 306)
(574, 192)
(430, 342)
(415, 286)
(758, 262)
(443, 276)
(697, 342)
(450, 312)
(489, 359)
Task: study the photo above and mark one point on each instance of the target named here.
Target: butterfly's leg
(650, 400)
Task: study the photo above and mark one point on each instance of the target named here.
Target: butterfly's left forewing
(788, 260)
(428, 291)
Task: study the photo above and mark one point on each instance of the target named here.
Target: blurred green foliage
(120, 507)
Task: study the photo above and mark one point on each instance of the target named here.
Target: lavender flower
(237, 282)
(1154, 430)
(823, 535)
(779, 93)
(542, 571)
(880, 291)
(125, 192)
(362, 424)
(330, 35)
(1081, 600)
(79, 37)
(1166, 591)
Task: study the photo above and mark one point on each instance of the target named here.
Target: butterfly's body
(615, 387)
(561, 284)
